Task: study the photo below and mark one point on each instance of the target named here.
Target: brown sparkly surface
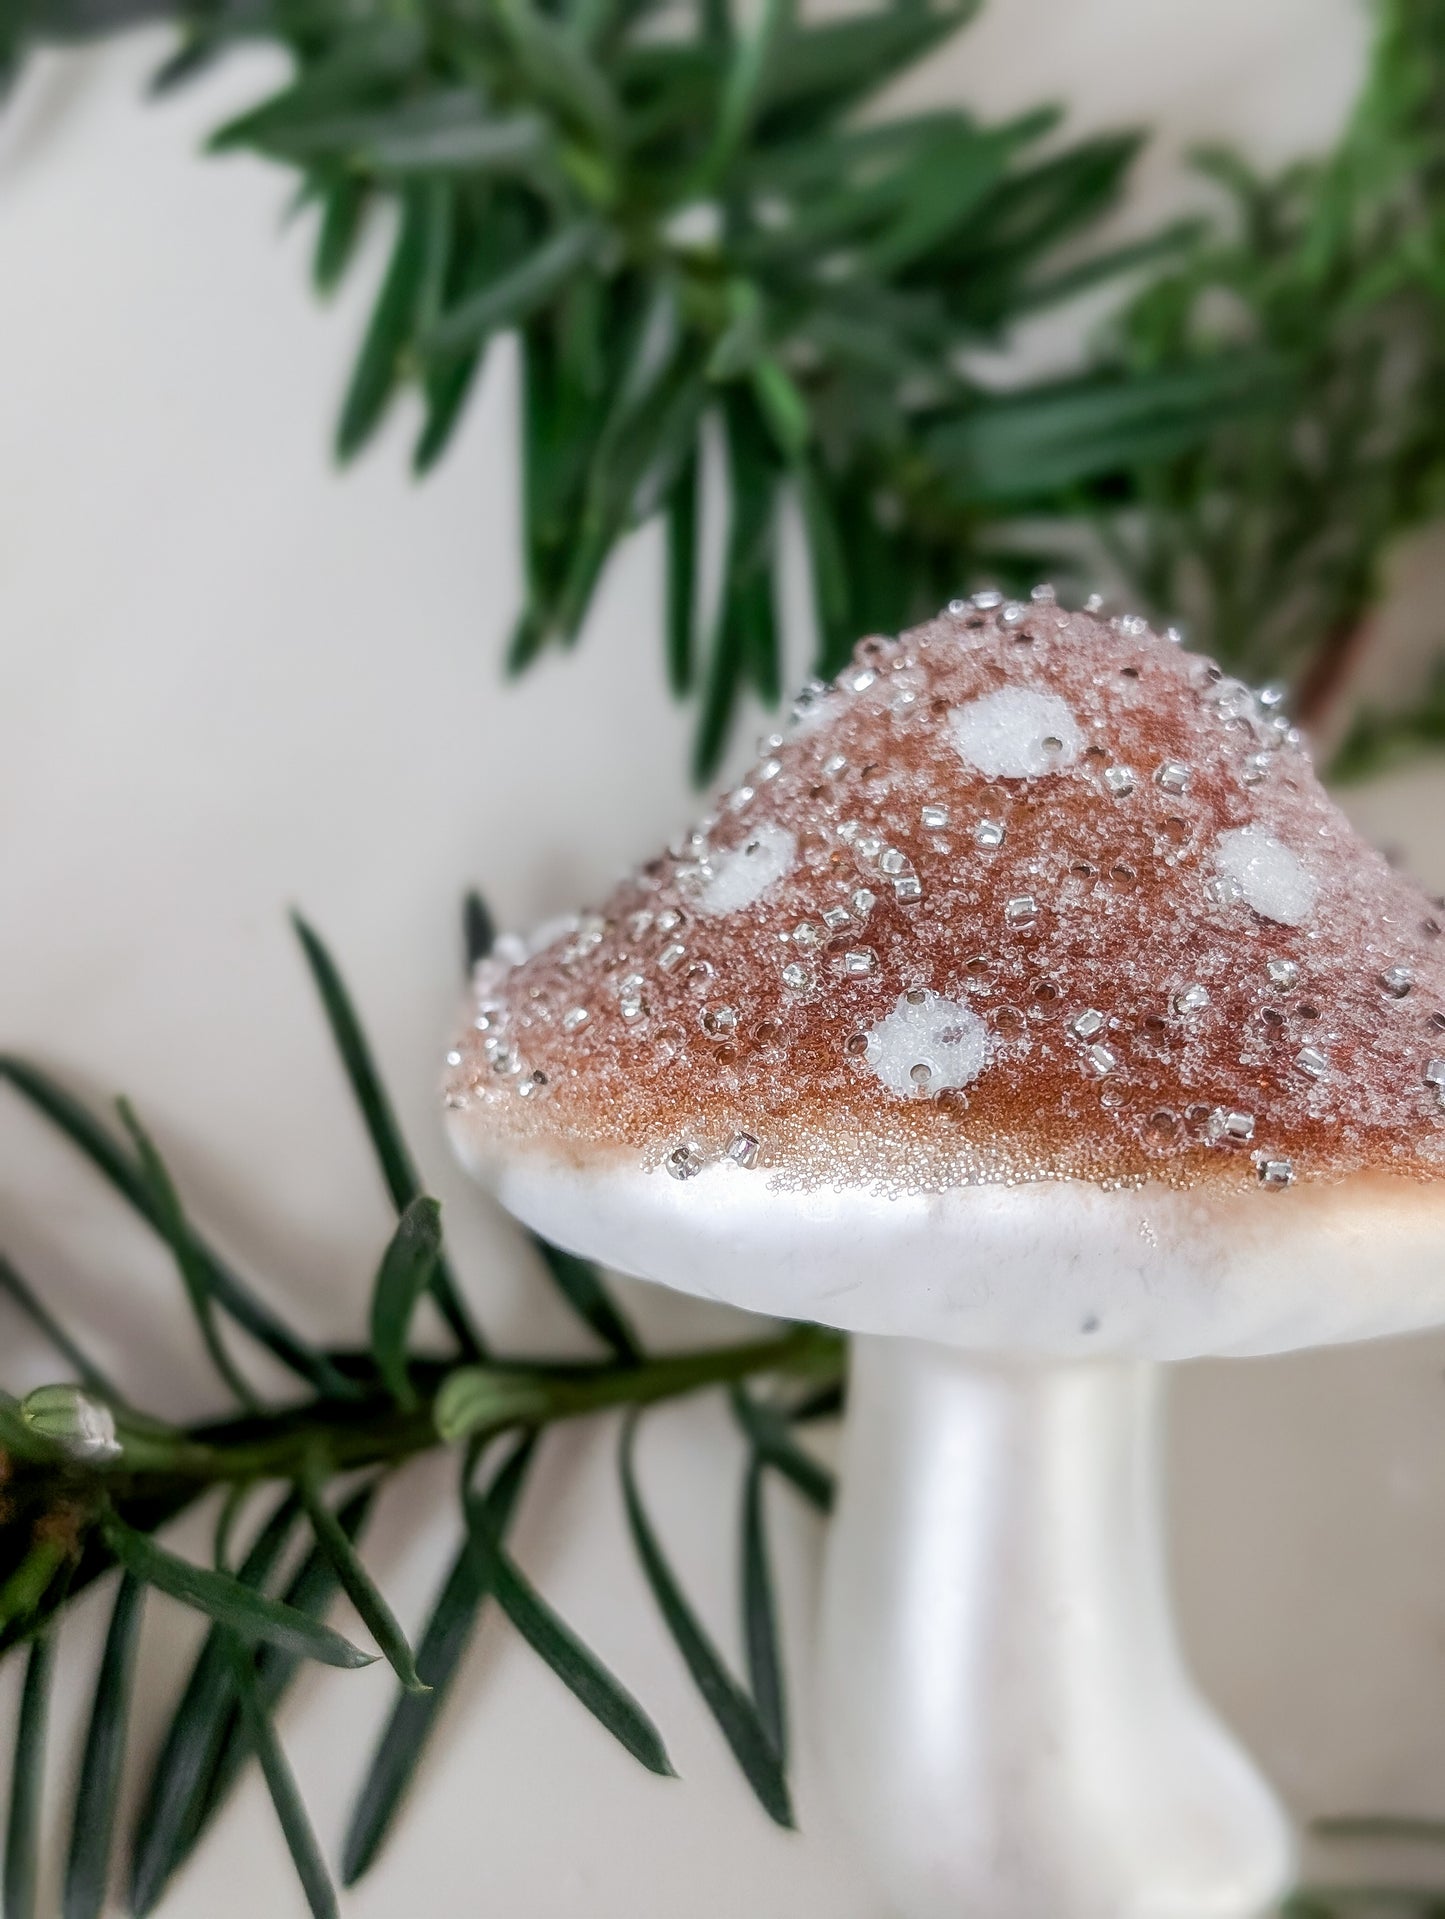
(693, 1050)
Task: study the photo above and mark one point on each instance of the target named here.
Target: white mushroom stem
(1007, 1719)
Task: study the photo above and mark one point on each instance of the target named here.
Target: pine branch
(689, 233)
(91, 1480)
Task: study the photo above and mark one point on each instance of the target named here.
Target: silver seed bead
(1276, 1172)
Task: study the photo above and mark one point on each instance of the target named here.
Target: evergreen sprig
(90, 1482)
(1270, 535)
(727, 275)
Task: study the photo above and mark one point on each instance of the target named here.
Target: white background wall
(229, 681)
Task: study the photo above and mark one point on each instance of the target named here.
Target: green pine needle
(554, 1642)
(439, 1653)
(22, 1830)
(736, 1715)
(249, 1614)
(761, 1637)
(397, 1167)
(355, 1581)
(87, 1871)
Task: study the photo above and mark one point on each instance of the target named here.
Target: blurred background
(232, 681)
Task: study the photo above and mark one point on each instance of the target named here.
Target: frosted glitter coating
(1132, 909)
(927, 1045)
(1270, 878)
(1016, 733)
(741, 877)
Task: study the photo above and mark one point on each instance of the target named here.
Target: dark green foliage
(405, 1273)
(208, 1728)
(554, 1642)
(256, 1728)
(70, 1517)
(760, 1620)
(738, 1718)
(109, 1158)
(353, 1578)
(582, 1286)
(1268, 534)
(1378, 741)
(87, 1869)
(170, 1811)
(695, 233)
(402, 1181)
(195, 1274)
(239, 1608)
(478, 932)
(439, 1654)
(35, 1309)
(706, 244)
(774, 1445)
(22, 1827)
(291, 1813)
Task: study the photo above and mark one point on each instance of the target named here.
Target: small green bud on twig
(73, 1419)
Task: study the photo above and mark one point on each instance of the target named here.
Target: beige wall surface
(229, 681)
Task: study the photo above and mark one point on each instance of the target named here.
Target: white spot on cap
(736, 878)
(1269, 877)
(1016, 732)
(927, 1044)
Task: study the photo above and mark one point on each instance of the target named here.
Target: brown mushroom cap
(1026, 895)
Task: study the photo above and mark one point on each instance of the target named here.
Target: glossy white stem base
(1007, 1720)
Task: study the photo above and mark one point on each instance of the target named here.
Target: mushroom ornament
(1032, 1013)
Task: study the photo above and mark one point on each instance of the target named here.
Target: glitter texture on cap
(1172, 915)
